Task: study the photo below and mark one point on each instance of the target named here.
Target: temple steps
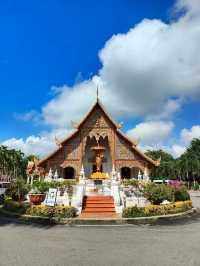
(103, 209)
(98, 206)
(98, 198)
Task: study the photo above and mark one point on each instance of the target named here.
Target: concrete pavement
(174, 244)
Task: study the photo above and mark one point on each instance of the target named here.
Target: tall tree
(12, 163)
(166, 170)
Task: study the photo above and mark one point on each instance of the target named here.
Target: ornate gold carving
(97, 119)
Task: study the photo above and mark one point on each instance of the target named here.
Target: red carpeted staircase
(98, 206)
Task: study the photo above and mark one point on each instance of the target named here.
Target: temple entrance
(69, 173)
(126, 172)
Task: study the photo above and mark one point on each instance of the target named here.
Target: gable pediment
(97, 119)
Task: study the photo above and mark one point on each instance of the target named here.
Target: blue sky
(57, 43)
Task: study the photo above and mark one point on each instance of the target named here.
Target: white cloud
(192, 7)
(176, 146)
(152, 132)
(39, 145)
(70, 103)
(176, 150)
(188, 134)
(171, 107)
(29, 116)
(146, 71)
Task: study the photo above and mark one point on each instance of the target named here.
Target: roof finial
(97, 93)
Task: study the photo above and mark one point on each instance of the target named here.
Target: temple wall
(123, 150)
(125, 156)
(55, 161)
(72, 148)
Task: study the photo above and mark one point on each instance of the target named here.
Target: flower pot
(37, 199)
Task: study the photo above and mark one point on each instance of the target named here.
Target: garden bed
(24, 208)
(156, 210)
(98, 221)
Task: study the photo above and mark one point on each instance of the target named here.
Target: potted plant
(36, 197)
(38, 193)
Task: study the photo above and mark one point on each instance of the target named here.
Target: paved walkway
(174, 244)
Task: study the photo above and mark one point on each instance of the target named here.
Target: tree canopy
(12, 163)
(186, 167)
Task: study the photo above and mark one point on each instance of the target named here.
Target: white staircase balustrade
(77, 199)
(115, 193)
(62, 198)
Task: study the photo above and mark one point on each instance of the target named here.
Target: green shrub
(130, 182)
(69, 212)
(17, 189)
(15, 206)
(41, 186)
(44, 186)
(57, 211)
(153, 210)
(133, 212)
(181, 194)
(157, 193)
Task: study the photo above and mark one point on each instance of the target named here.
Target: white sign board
(51, 197)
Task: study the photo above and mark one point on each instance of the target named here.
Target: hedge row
(152, 210)
(57, 211)
(39, 210)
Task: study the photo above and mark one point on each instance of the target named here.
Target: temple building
(97, 146)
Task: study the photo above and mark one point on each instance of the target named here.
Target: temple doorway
(69, 172)
(126, 172)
